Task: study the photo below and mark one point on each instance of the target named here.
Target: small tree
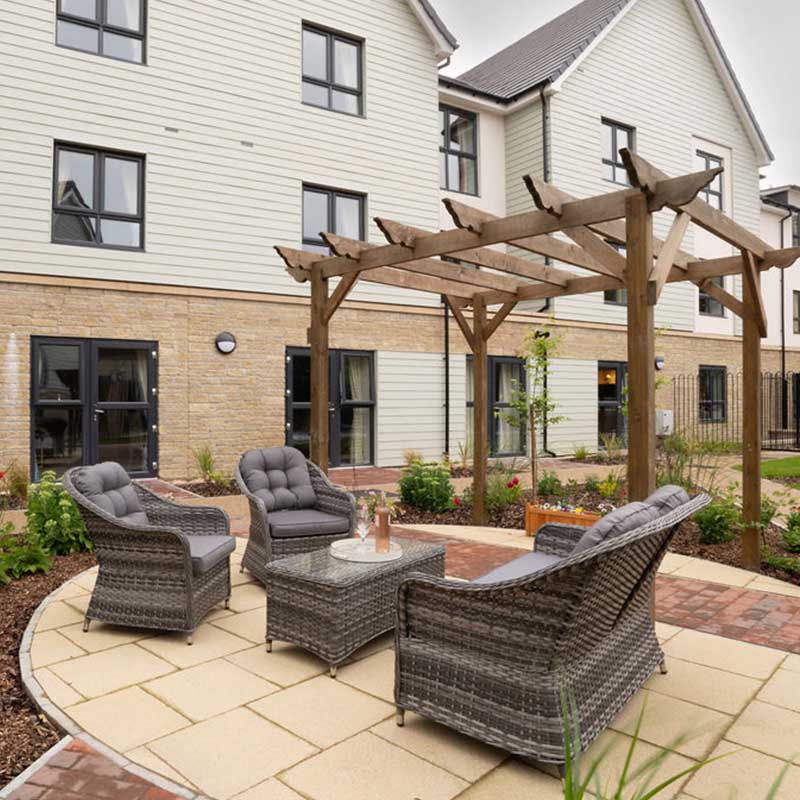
(533, 405)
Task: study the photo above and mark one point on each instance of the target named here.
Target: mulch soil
(12, 502)
(24, 733)
(211, 489)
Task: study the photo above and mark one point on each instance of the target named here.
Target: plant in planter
(207, 466)
(53, 518)
(550, 485)
(427, 486)
(532, 406)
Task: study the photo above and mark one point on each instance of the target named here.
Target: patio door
(93, 400)
(351, 405)
(612, 377)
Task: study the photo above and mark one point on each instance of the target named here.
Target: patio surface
(224, 719)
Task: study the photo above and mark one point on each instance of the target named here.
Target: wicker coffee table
(332, 607)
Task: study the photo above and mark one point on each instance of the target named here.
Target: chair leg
(227, 603)
(400, 717)
(189, 639)
(663, 666)
(332, 671)
(241, 567)
(269, 645)
(86, 623)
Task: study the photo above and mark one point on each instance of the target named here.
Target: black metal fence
(708, 409)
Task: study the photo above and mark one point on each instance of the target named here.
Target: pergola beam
(752, 280)
(462, 322)
(666, 258)
(726, 299)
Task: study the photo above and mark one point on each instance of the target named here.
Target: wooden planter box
(535, 517)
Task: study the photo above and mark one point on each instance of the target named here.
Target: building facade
(155, 153)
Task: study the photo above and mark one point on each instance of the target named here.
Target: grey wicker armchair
(161, 565)
(294, 508)
(499, 657)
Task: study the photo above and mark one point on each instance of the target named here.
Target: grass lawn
(783, 469)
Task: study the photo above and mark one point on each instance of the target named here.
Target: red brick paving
(78, 771)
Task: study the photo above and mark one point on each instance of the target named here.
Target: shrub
(769, 508)
(793, 519)
(502, 490)
(550, 484)
(53, 518)
(592, 483)
(427, 486)
(21, 555)
(717, 522)
(581, 452)
(412, 457)
(791, 540)
(609, 487)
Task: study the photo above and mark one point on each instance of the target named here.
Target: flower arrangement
(375, 500)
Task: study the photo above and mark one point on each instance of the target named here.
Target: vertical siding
(573, 384)
(652, 72)
(223, 75)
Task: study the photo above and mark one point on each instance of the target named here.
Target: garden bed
(24, 733)
(211, 488)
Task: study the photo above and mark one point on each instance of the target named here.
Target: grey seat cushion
(109, 487)
(208, 551)
(667, 499)
(278, 476)
(306, 522)
(519, 567)
(623, 520)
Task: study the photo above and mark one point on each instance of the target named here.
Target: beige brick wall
(237, 401)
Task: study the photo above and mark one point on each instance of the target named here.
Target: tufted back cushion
(109, 487)
(279, 476)
(623, 520)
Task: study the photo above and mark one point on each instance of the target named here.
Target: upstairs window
(331, 211)
(113, 28)
(796, 229)
(712, 193)
(98, 198)
(796, 311)
(713, 394)
(709, 307)
(332, 71)
(458, 150)
(616, 297)
(616, 137)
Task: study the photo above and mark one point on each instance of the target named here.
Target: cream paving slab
(239, 578)
(792, 663)
(767, 584)
(57, 615)
(250, 625)
(515, 781)
(101, 636)
(376, 645)
(730, 655)
(701, 570)
(210, 642)
(664, 631)
(146, 758)
(226, 755)
(59, 692)
(126, 720)
(272, 789)
(286, 665)
(374, 675)
(705, 686)
(673, 562)
(367, 767)
(86, 580)
(322, 710)
(79, 602)
(111, 670)
(783, 689)
(70, 590)
(209, 689)
(748, 774)
(461, 755)
(667, 722)
(217, 613)
(247, 597)
(50, 647)
(769, 729)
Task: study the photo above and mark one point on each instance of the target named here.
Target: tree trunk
(534, 464)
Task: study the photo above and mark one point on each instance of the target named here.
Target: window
(616, 137)
(796, 311)
(616, 297)
(712, 193)
(506, 375)
(332, 71)
(709, 307)
(113, 28)
(98, 198)
(713, 394)
(329, 210)
(459, 150)
(796, 229)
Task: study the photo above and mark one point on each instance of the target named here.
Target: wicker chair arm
(191, 520)
(557, 540)
(331, 499)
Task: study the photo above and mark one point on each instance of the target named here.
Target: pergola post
(751, 428)
(318, 339)
(480, 394)
(641, 350)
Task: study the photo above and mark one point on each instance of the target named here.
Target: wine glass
(363, 524)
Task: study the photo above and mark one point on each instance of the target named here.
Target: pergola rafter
(481, 277)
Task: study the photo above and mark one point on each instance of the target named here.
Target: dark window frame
(98, 184)
(332, 37)
(101, 26)
(615, 162)
(710, 161)
(447, 151)
(709, 306)
(332, 194)
(796, 311)
(796, 229)
(712, 411)
(616, 297)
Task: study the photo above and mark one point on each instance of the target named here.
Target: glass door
(612, 377)
(92, 401)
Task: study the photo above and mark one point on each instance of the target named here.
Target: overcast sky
(760, 39)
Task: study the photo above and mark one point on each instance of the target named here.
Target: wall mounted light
(660, 363)
(225, 342)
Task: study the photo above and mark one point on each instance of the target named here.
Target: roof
(440, 34)
(548, 53)
(439, 23)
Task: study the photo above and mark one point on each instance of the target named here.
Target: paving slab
(210, 642)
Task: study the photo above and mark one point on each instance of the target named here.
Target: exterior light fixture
(660, 363)
(226, 343)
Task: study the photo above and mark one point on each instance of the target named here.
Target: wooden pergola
(491, 283)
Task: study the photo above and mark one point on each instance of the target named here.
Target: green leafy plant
(53, 518)
(581, 452)
(682, 462)
(502, 490)
(785, 563)
(427, 486)
(592, 483)
(550, 485)
(609, 487)
(21, 554)
(769, 508)
(718, 521)
(791, 540)
(611, 447)
(464, 455)
(532, 406)
(207, 466)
